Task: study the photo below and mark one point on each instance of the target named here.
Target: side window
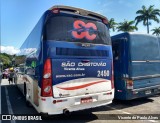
(19, 61)
(116, 51)
(30, 65)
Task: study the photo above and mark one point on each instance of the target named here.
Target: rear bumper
(145, 92)
(137, 93)
(73, 103)
(146, 88)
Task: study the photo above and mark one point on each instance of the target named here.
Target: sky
(18, 17)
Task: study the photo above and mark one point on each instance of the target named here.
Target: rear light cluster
(56, 10)
(46, 88)
(129, 84)
(105, 21)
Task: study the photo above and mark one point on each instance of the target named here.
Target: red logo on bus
(82, 30)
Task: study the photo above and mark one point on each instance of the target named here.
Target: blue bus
(67, 62)
(136, 60)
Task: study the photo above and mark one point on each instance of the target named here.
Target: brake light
(56, 10)
(129, 84)
(46, 88)
(112, 79)
(105, 21)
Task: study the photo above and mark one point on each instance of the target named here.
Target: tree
(156, 31)
(5, 60)
(146, 14)
(19, 59)
(112, 24)
(126, 26)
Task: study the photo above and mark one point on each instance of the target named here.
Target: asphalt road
(13, 102)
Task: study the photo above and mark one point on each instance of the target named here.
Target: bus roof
(79, 11)
(126, 34)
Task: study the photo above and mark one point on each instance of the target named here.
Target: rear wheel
(44, 115)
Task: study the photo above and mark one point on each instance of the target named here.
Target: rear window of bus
(76, 29)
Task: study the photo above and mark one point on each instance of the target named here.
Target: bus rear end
(136, 65)
(77, 62)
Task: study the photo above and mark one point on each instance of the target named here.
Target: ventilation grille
(81, 52)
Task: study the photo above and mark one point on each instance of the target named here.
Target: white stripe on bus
(147, 61)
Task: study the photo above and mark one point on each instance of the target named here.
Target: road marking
(124, 112)
(10, 111)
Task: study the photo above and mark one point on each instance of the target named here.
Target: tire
(28, 104)
(44, 115)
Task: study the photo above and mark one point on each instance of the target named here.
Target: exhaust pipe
(66, 112)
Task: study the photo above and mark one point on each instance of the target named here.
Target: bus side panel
(31, 58)
(145, 65)
(145, 55)
(145, 68)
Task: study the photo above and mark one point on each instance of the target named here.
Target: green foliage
(126, 26)
(112, 24)
(156, 31)
(146, 14)
(19, 60)
(6, 59)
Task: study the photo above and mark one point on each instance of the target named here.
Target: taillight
(112, 79)
(56, 10)
(129, 84)
(105, 21)
(46, 88)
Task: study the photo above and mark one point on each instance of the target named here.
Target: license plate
(148, 92)
(86, 100)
